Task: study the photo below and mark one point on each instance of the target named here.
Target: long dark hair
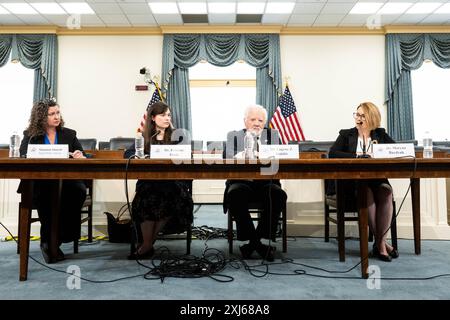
(150, 125)
(38, 119)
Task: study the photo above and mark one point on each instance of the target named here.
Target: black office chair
(197, 145)
(88, 144)
(342, 202)
(139, 233)
(215, 145)
(255, 209)
(120, 143)
(444, 143)
(103, 145)
(319, 146)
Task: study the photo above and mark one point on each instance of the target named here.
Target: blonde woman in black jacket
(358, 142)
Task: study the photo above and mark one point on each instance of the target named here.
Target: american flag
(285, 119)
(156, 96)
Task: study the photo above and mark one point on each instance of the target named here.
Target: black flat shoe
(375, 252)
(246, 251)
(385, 258)
(141, 256)
(266, 252)
(394, 254)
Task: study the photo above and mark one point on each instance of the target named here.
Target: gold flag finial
(286, 81)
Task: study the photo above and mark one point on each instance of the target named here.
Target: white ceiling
(306, 13)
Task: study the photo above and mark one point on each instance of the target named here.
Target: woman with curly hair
(46, 126)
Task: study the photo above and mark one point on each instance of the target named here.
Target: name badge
(278, 151)
(170, 151)
(49, 151)
(393, 150)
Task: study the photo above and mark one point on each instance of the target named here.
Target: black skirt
(160, 199)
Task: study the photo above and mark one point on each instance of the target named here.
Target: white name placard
(170, 151)
(278, 151)
(49, 151)
(214, 156)
(393, 150)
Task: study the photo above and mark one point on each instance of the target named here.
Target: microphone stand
(150, 144)
(364, 150)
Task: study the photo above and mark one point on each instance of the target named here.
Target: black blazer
(345, 147)
(235, 144)
(346, 143)
(65, 136)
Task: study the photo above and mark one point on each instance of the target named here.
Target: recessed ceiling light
(366, 7)
(163, 7)
(19, 8)
(48, 8)
(280, 7)
(394, 8)
(424, 7)
(192, 7)
(77, 8)
(444, 9)
(221, 7)
(250, 7)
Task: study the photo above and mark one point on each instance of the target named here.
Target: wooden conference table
(103, 168)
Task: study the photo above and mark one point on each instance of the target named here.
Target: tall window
(219, 96)
(16, 99)
(431, 96)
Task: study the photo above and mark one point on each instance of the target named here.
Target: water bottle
(249, 145)
(14, 146)
(427, 146)
(139, 145)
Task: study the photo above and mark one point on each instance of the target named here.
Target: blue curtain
(183, 51)
(38, 52)
(406, 52)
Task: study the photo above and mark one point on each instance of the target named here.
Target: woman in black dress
(159, 204)
(47, 127)
(355, 142)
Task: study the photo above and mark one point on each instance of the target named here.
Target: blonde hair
(372, 114)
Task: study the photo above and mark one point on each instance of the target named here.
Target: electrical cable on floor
(213, 261)
(65, 272)
(188, 266)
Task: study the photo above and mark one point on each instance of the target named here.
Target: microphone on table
(155, 134)
(364, 150)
